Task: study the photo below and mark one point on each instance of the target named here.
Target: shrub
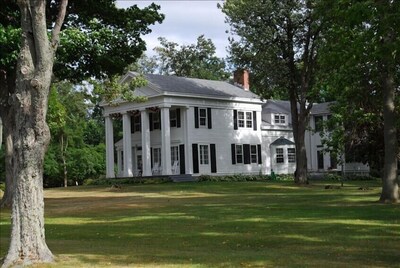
(125, 181)
(234, 178)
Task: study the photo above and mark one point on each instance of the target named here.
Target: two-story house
(197, 126)
(187, 126)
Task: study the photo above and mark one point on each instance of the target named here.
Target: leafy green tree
(278, 43)
(97, 40)
(195, 60)
(25, 83)
(362, 65)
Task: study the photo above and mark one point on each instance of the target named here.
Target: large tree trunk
(299, 123)
(31, 134)
(390, 183)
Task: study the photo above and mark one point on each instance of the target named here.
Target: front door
(204, 159)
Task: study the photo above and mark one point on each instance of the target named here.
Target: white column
(119, 163)
(127, 141)
(109, 148)
(165, 141)
(146, 157)
(188, 141)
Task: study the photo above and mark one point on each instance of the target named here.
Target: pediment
(149, 90)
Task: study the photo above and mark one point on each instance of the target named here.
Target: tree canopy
(361, 69)
(278, 42)
(195, 60)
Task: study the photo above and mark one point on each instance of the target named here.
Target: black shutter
(233, 151)
(254, 120)
(196, 117)
(246, 152)
(195, 154)
(151, 157)
(159, 120)
(213, 158)
(132, 124)
(151, 121)
(178, 117)
(259, 153)
(209, 118)
(235, 123)
(182, 159)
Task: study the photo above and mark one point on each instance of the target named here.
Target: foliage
(352, 62)
(114, 92)
(97, 40)
(277, 42)
(126, 181)
(243, 178)
(194, 60)
(224, 224)
(77, 142)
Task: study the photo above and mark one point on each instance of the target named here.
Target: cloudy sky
(185, 20)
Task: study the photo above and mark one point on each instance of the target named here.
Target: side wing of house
(277, 135)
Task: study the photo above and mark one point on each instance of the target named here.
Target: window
(174, 154)
(137, 124)
(318, 123)
(241, 119)
(202, 117)
(291, 153)
(279, 155)
(253, 153)
(157, 156)
(172, 118)
(249, 120)
(239, 154)
(204, 155)
(280, 119)
(156, 121)
(245, 119)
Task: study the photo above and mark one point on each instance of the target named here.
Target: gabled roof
(276, 106)
(282, 141)
(192, 86)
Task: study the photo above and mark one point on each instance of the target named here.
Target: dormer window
(280, 119)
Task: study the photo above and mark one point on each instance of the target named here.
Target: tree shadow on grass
(217, 228)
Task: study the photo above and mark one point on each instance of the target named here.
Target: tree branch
(55, 35)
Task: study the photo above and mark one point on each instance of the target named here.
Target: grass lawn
(242, 224)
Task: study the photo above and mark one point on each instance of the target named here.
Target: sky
(184, 21)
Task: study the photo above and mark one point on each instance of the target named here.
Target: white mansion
(196, 126)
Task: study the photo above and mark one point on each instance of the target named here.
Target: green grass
(246, 224)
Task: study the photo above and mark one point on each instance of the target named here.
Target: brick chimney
(241, 78)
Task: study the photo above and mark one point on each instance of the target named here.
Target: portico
(146, 150)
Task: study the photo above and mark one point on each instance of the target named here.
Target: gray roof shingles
(183, 85)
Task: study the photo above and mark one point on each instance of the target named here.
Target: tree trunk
(390, 184)
(299, 122)
(31, 134)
